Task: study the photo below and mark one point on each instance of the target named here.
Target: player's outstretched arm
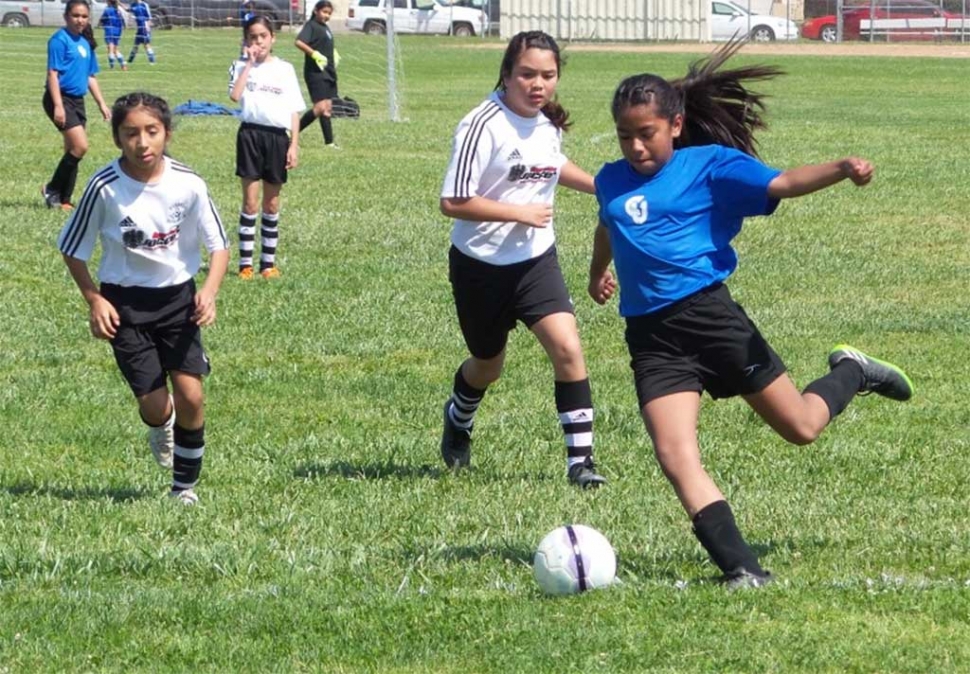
(480, 209)
(575, 178)
(804, 180)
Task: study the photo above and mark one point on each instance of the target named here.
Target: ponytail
(717, 106)
(88, 34)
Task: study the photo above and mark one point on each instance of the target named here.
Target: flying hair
(717, 106)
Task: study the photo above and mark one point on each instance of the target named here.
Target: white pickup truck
(416, 16)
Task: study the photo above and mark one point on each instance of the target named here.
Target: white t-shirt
(501, 156)
(272, 93)
(151, 233)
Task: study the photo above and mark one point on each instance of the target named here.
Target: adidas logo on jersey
(514, 156)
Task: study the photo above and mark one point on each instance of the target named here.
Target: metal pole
(839, 7)
(391, 60)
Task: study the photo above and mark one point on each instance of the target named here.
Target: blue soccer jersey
(113, 23)
(73, 59)
(142, 15)
(671, 232)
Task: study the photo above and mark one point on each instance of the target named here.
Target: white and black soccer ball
(572, 559)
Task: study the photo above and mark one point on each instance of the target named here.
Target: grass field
(330, 539)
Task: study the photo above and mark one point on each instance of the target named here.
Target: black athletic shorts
(704, 342)
(156, 335)
(261, 153)
(74, 112)
(321, 88)
(491, 298)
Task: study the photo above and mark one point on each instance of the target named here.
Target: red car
(889, 20)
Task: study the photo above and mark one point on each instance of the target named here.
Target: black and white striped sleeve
(80, 234)
(471, 152)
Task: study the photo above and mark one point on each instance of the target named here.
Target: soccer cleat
(741, 578)
(246, 273)
(66, 207)
(270, 272)
(331, 146)
(51, 199)
(878, 376)
(584, 475)
(456, 443)
(186, 497)
(161, 440)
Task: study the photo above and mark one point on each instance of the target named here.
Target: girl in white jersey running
(271, 102)
(506, 161)
(152, 214)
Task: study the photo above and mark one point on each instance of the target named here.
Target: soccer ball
(574, 558)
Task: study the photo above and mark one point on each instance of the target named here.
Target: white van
(416, 16)
(24, 13)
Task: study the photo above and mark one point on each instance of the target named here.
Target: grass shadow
(473, 553)
(115, 494)
(366, 471)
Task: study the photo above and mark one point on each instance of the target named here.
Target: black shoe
(741, 578)
(51, 199)
(456, 443)
(584, 475)
(878, 376)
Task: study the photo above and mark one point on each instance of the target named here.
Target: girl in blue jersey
(668, 213)
(143, 31)
(114, 25)
(71, 70)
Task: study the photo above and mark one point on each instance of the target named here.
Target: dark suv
(198, 13)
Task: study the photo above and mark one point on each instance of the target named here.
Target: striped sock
(574, 402)
(247, 239)
(268, 234)
(187, 461)
(465, 400)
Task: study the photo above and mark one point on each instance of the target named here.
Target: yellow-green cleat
(878, 376)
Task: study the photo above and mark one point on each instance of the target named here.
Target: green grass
(329, 538)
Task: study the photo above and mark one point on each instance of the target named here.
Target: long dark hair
(717, 107)
(535, 39)
(157, 105)
(88, 32)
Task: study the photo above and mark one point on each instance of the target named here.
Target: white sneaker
(186, 497)
(161, 440)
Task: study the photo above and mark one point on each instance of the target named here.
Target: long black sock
(465, 400)
(838, 387)
(715, 528)
(64, 178)
(574, 403)
(327, 129)
(187, 461)
(307, 119)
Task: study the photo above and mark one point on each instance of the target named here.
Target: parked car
(197, 13)
(491, 8)
(729, 20)
(416, 16)
(26, 13)
(888, 20)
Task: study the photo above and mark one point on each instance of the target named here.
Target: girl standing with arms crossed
(271, 104)
(152, 214)
(319, 69)
(71, 70)
(505, 164)
(668, 212)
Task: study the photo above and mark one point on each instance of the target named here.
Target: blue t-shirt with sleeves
(142, 15)
(112, 22)
(73, 59)
(671, 232)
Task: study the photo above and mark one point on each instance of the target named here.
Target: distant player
(114, 25)
(247, 10)
(71, 70)
(506, 161)
(668, 213)
(152, 215)
(269, 95)
(143, 31)
(319, 69)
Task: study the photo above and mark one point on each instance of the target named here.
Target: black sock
(187, 459)
(327, 129)
(838, 387)
(574, 403)
(465, 400)
(307, 119)
(64, 178)
(715, 528)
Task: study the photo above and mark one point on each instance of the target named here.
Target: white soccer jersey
(151, 233)
(501, 156)
(272, 92)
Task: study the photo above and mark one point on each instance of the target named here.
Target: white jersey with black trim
(498, 155)
(272, 93)
(151, 233)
